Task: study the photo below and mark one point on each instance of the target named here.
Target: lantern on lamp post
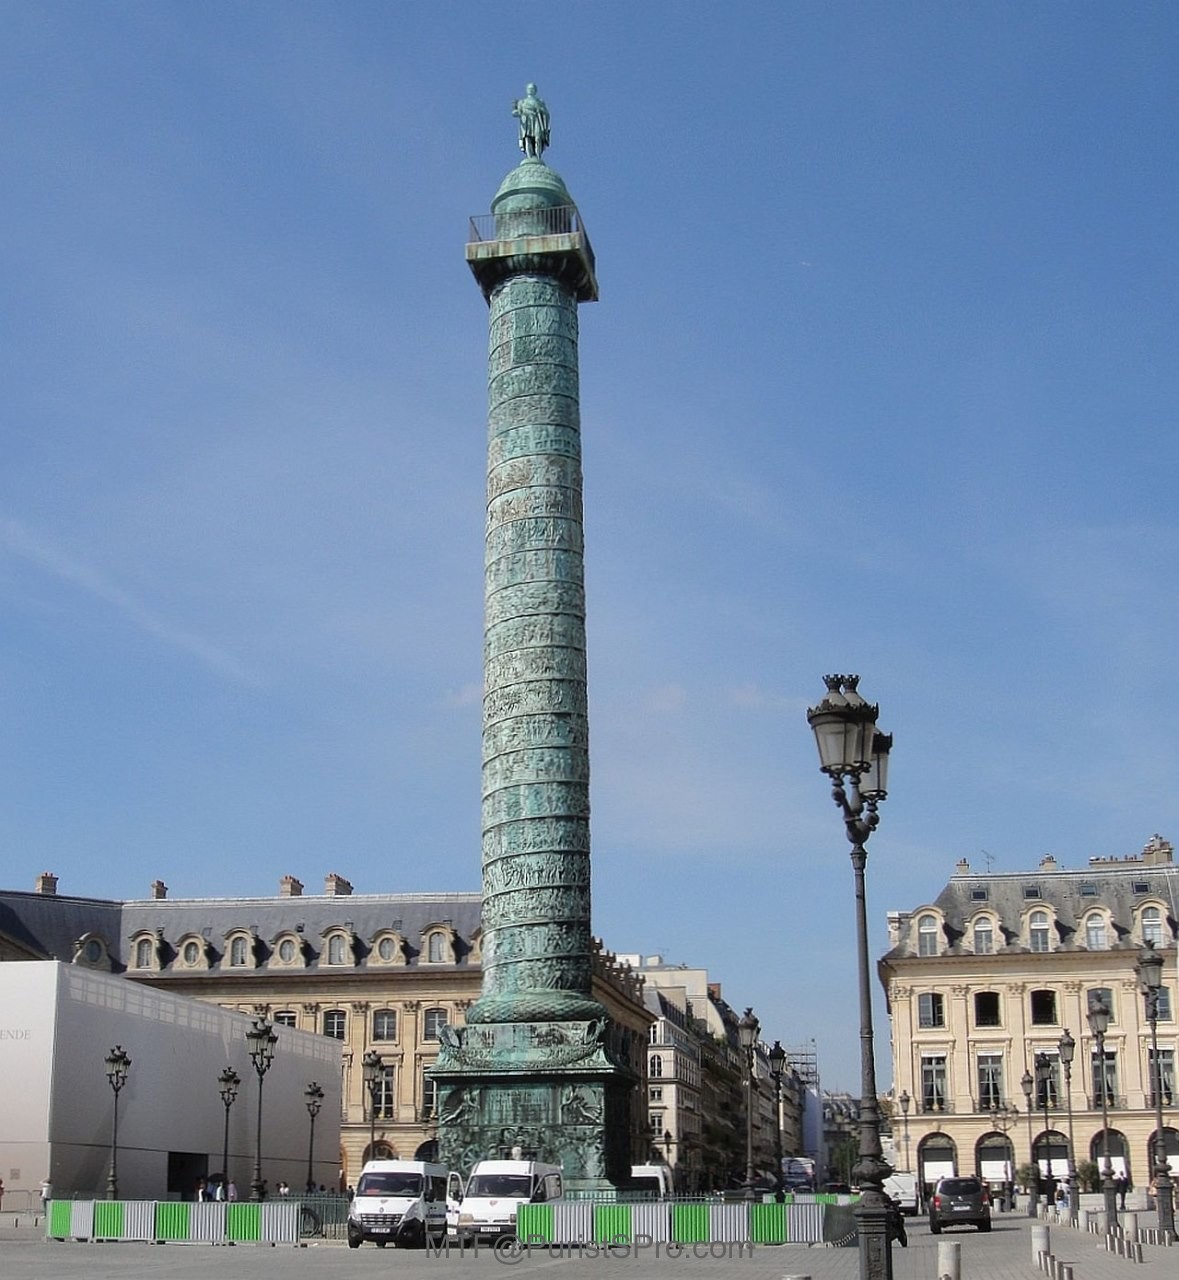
(747, 1032)
(1098, 1018)
(261, 1040)
(118, 1064)
(1150, 974)
(854, 755)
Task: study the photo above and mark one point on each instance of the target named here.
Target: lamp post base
(1164, 1194)
(872, 1214)
(1110, 1192)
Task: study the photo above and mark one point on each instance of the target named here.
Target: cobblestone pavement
(1005, 1253)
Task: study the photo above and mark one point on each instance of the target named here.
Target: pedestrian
(202, 1190)
(1120, 1188)
(46, 1192)
(283, 1188)
(232, 1193)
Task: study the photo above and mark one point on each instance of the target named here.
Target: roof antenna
(990, 860)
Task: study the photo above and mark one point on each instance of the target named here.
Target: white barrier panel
(728, 1222)
(280, 1222)
(206, 1221)
(804, 1223)
(573, 1221)
(652, 1220)
(139, 1220)
(82, 1219)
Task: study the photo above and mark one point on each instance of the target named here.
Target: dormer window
(336, 949)
(91, 950)
(1152, 925)
(1031, 891)
(143, 954)
(1038, 931)
(239, 951)
(984, 937)
(438, 946)
(927, 935)
(387, 949)
(1095, 935)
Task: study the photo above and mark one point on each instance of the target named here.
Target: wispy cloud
(19, 541)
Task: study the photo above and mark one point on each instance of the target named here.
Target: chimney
(962, 867)
(1048, 863)
(1157, 852)
(289, 887)
(159, 890)
(46, 884)
(335, 886)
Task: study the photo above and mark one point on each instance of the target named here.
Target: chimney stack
(46, 884)
(289, 887)
(159, 890)
(335, 886)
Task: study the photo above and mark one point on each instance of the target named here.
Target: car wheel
(935, 1228)
(984, 1226)
(353, 1242)
(380, 1243)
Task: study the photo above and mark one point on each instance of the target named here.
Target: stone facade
(390, 973)
(994, 971)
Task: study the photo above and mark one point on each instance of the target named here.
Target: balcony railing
(937, 1106)
(1114, 1101)
(517, 224)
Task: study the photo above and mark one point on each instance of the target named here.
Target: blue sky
(882, 379)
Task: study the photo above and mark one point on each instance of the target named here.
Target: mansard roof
(50, 925)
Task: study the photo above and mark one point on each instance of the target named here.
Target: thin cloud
(20, 542)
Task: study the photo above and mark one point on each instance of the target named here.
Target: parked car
(956, 1200)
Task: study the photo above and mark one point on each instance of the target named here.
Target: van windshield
(389, 1183)
(646, 1183)
(500, 1184)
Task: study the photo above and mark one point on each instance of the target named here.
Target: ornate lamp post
(117, 1066)
(777, 1056)
(1150, 974)
(1027, 1084)
(1067, 1048)
(747, 1031)
(854, 755)
(1098, 1019)
(372, 1068)
(313, 1096)
(228, 1081)
(906, 1102)
(1043, 1081)
(1003, 1117)
(261, 1039)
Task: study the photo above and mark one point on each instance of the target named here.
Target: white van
(652, 1179)
(903, 1189)
(485, 1208)
(403, 1201)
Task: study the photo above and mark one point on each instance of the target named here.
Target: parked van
(403, 1201)
(902, 1187)
(652, 1178)
(485, 1208)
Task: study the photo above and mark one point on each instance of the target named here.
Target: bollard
(1066, 1271)
(1130, 1225)
(1082, 1219)
(1041, 1239)
(949, 1260)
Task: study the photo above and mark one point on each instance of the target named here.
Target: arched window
(387, 949)
(1038, 931)
(433, 1020)
(191, 952)
(286, 950)
(143, 953)
(436, 948)
(655, 1066)
(1152, 926)
(1095, 938)
(385, 1024)
(927, 936)
(335, 953)
(238, 951)
(984, 937)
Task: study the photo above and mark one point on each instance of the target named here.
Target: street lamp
(372, 1068)
(1098, 1019)
(1067, 1048)
(906, 1102)
(777, 1057)
(228, 1081)
(314, 1098)
(117, 1066)
(261, 1039)
(1150, 974)
(1027, 1084)
(747, 1031)
(854, 755)
(1003, 1117)
(1043, 1081)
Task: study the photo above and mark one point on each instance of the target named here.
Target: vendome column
(536, 1071)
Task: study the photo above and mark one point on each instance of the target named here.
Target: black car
(956, 1200)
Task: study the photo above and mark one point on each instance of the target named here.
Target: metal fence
(516, 224)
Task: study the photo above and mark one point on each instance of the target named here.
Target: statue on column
(534, 123)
